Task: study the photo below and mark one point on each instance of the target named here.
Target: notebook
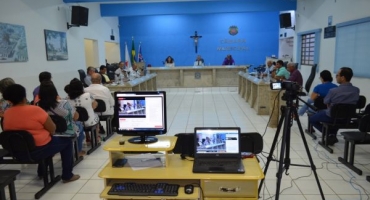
(217, 150)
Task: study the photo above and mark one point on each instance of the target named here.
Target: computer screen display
(141, 114)
(220, 141)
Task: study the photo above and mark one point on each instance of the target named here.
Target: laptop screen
(217, 141)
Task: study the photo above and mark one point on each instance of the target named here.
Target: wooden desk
(188, 76)
(144, 83)
(179, 171)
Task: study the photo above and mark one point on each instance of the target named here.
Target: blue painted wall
(164, 35)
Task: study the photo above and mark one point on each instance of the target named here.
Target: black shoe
(101, 130)
(308, 131)
(332, 139)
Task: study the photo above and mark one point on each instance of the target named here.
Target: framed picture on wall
(13, 45)
(56, 45)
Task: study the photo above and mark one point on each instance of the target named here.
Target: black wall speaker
(80, 16)
(285, 20)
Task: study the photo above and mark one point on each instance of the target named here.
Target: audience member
(90, 71)
(53, 105)
(77, 97)
(103, 72)
(229, 60)
(199, 61)
(4, 104)
(320, 90)
(43, 76)
(346, 93)
(99, 91)
(280, 72)
(295, 74)
(169, 62)
(39, 124)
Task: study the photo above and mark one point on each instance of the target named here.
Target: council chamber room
(183, 99)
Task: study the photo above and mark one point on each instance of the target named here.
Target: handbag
(65, 126)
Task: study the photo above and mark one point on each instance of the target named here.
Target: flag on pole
(140, 55)
(127, 58)
(133, 59)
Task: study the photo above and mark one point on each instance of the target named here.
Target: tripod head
(291, 93)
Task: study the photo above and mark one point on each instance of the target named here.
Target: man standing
(280, 72)
(295, 74)
(90, 71)
(346, 93)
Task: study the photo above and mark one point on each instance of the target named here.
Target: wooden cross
(196, 37)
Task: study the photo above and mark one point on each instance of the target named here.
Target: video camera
(285, 85)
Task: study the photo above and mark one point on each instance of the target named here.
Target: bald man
(98, 91)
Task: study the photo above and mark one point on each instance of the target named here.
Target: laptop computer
(217, 150)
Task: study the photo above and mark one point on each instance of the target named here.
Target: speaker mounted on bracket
(286, 21)
(79, 17)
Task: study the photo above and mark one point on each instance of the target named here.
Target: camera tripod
(284, 162)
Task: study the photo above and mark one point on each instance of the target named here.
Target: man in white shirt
(269, 68)
(99, 91)
(199, 61)
(135, 72)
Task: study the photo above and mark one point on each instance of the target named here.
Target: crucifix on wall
(195, 37)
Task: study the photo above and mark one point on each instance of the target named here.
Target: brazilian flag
(133, 53)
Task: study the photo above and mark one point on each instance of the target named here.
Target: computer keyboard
(140, 189)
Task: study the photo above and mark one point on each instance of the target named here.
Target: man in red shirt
(295, 74)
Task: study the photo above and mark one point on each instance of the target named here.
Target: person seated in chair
(90, 71)
(280, 72)
(228, 60)
(346, 93)
(295, 74)
(78, 97)
(43, 76)
(98, 91)
(199, 61)
(39, 124)
(103, 72)
(4, 104)
(270, 66)
(169, 62)
(54, 105)
(320, 90)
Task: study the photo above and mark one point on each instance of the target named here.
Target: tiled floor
(191, 107)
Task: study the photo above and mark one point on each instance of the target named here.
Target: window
(308, 49)
(352, 47)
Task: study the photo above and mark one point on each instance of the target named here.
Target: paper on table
(143, 161)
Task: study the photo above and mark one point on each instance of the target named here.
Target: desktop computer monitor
(141, 114)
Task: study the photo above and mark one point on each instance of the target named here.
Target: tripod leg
(313, 167)
(288, 117)
(269, 158)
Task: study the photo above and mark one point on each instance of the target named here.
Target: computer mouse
(189, 189)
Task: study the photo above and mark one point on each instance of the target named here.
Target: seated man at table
(346, 93)
(280, 72)
(135, 72)
(270, 66)
(199, 61)
(103, 72)
(295, 74)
